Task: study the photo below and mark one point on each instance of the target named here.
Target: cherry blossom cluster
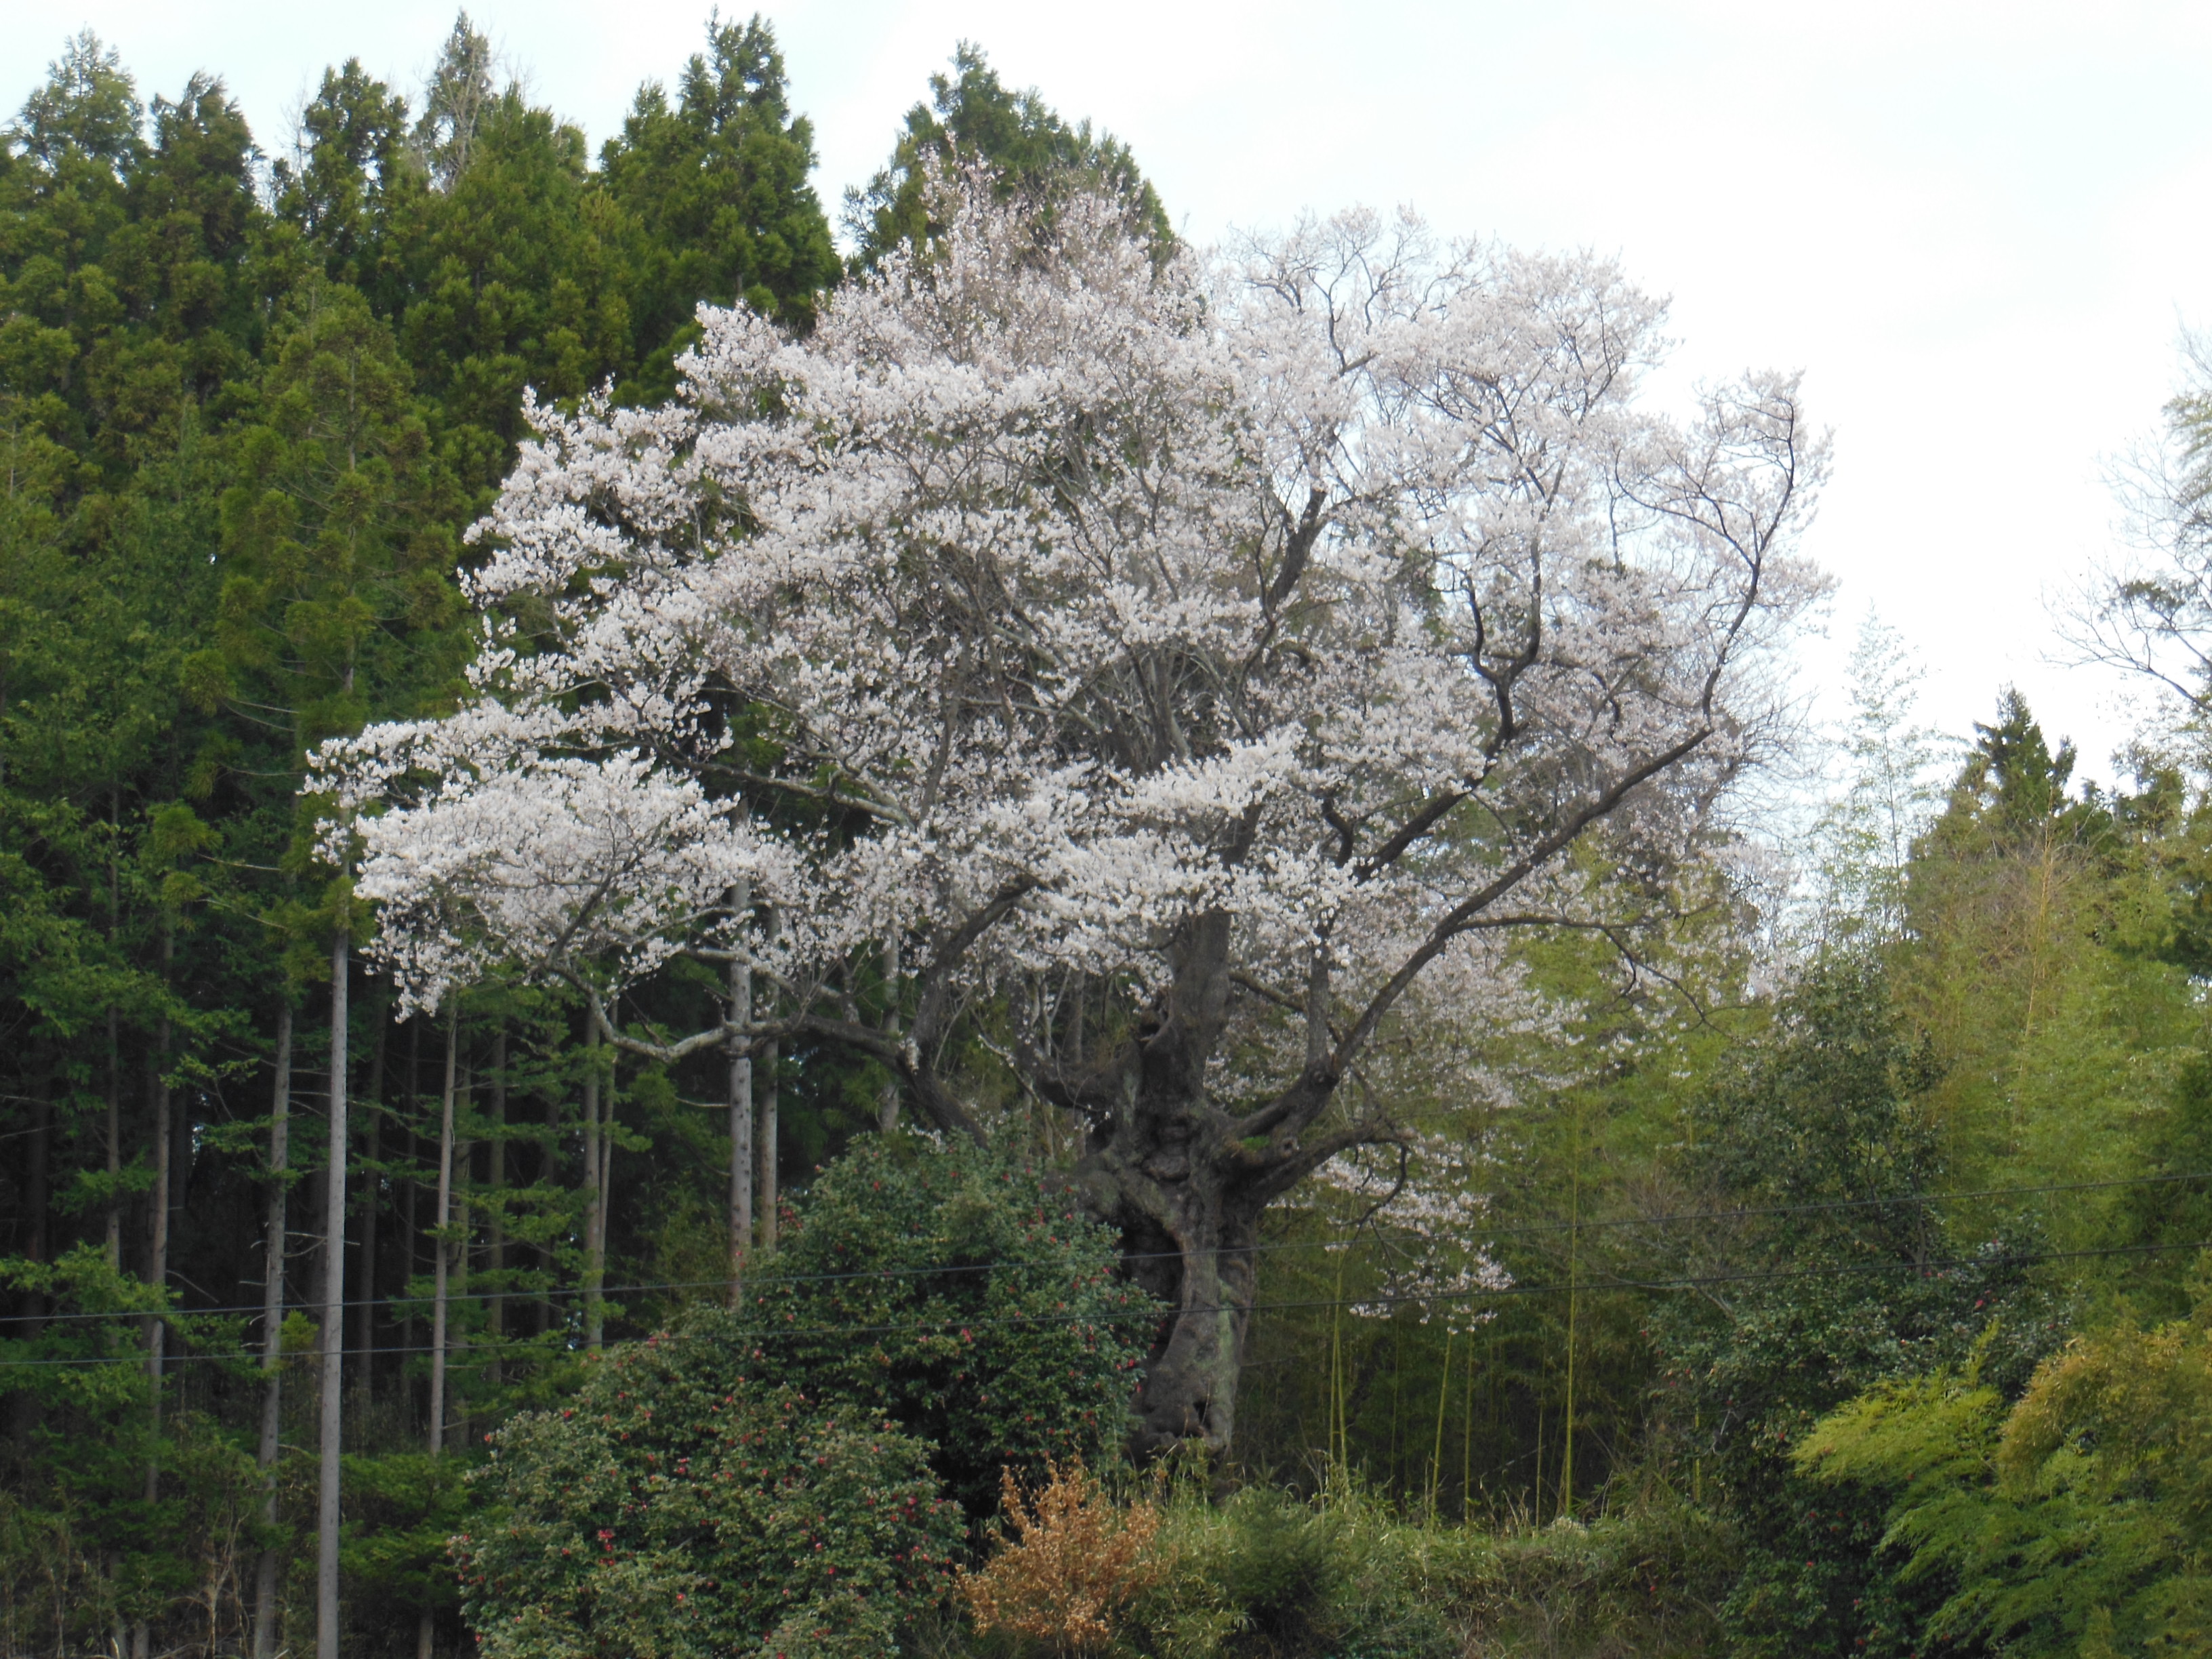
(1058, 606)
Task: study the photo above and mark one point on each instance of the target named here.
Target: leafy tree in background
(932, 1320)
(333, 196)
(240, 445)
(2044, 972)
(1838, 1276)
(1890, 793)
(544, 828)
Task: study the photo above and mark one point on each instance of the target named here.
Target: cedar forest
(1023, 940)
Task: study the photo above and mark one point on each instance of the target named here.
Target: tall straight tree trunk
(114, 1141)
(37, 1199)
(766, 1151)
(460, 1255)
(442, 1255)
(272, 1333)
(157, 1229)
(887, 1101)
(364, 1289)
(409, 1234)
(547, 1174)
(434, 1437)
(495, 1211)
(741, 1124)
(333, 1333)
(595, 1203)
(364, 1258)
(157, 1276)
(114, 1042)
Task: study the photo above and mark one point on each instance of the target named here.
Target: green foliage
(93, 1541)
(1264, 1574)
(681, 1505)
(936, 1284)
(1835, 1278)
(973, 118)
(718, 189)
(241, 437)
(240, 440)
(2044, 974)
(2079, 1516)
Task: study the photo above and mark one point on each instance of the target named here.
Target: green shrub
(2076, 1520)
(941, 1286)
(1265, 1576)
(1644, 1579)
(681, 1508)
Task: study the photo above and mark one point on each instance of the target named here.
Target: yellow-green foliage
(1265, 1576)
(2074, 1521)
(2047, 975)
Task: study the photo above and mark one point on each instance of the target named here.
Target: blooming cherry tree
(1210, 666)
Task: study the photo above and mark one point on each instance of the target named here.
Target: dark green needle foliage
(716, 186)
(973, 118)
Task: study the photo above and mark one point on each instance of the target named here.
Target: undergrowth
(1346, 1576)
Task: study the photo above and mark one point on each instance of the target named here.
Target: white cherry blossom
(1213, 660)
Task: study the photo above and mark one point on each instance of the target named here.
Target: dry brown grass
(1073, 1558)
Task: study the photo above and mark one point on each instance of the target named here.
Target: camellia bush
(681, 1508)
(933, 1282)
(777, 1474)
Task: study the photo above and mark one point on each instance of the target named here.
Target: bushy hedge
(939, 1285)
(775, 1478)
(681, 1508)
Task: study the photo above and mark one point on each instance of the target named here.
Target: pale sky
(1977, 227)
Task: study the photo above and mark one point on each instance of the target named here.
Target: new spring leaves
(1061, 610)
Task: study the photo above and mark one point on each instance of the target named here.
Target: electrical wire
(1681, 1219)
(1929, 1268)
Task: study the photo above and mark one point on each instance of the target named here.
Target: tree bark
(887, 1101)
(766, 1150)
(1190, 1243)
(410, 1235)
(114, 1218)
(272, 1333)
(1186, 1188)
(460, 1256)
(36, 1199)
(157, 1276)
(333, 1331)
(595, 1217)
(442, 1218)
(495, 1210)
(157, 1227)
(364, 1292)
(741, 1124)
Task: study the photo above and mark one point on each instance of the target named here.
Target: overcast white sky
(1978, 228)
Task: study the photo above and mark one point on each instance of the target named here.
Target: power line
(1680, 1219)
(1156, 1314)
